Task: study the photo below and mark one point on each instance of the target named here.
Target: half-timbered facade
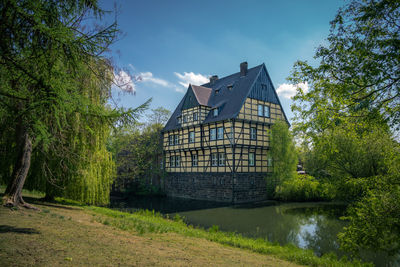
(217, 140)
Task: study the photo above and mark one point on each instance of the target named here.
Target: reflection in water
(306, 225)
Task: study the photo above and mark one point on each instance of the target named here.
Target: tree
(358, 73)
(160, 116)
(46, 53)
(348, 114)
(283, 153)
(138, 154)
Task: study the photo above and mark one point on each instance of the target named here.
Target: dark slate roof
(228, 101)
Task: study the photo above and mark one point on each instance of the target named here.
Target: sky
(165, 45)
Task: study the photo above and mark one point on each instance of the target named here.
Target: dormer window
(217, 91)
(215, 112)
(230, 86)
(195, 116)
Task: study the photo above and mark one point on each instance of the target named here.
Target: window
(185, 119)
(221, 159)
(213, 134)
(178, 161)
(231, 134)
(191, 137)
(171, 140)
(180, 119)
(260, 110)
(251, 159)
(195, 116)
(266, 111)
(214, 159)
(253, 133)
(176, 139)
(194, 160)
(220, 133)
(215, 112)
(172, 161)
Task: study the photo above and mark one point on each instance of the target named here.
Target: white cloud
(124, 81)
(289, 90)
(148, 77)
(192, 78)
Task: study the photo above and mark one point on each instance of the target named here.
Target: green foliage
(55, 85)
(305, 188)
(283, 153)
(346, 118)
(159, 115)
(357, 72)
(350, 150)
(375, 219)
(138, 155)
(144, 222)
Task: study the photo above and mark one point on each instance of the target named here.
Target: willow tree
(46, 53)
(283, 153)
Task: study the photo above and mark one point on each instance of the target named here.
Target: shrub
(304, 188)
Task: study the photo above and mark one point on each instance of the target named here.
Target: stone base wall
(246, 187)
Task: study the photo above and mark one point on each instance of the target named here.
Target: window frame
(260, 110)
(176, 139)
(214, 159)
(177, 161)
(252, 160)
(172, 161)
(171, 138)
(220, 135)
(267, 114)
(195, 160)
(253, 133)
(213, 137)
(221, 159)
(195, 116)
(191, 137)
(215, 112)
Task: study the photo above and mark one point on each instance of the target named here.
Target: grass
(72, 236)
(145, 225)
(143, 222)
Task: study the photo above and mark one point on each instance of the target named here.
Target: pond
(306, 225)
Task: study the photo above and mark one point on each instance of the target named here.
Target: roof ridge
(228, 76)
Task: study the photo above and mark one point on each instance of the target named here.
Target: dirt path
(61, 235)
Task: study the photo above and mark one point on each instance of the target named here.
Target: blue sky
(170, 43)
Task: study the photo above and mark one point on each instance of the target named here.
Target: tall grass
(143, 222)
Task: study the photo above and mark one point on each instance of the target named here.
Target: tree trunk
(13, 193)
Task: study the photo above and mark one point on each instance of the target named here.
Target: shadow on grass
(43, 202)
(12, 229)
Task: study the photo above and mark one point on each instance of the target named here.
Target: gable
(190, 100)
(263, 89)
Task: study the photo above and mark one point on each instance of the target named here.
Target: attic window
(230, 86)
(217, 91)
(179, 119)
(215, 112)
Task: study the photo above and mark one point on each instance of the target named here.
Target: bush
(304, 188)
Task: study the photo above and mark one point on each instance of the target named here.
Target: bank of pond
(309, 225)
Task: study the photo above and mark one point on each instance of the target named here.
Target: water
(307, 225)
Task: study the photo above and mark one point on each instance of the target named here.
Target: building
(217, 140)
